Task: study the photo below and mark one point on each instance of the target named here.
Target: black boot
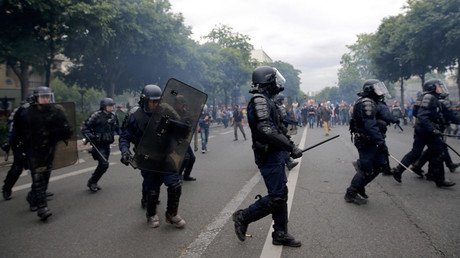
(452, 167)
(6, 195)
(353, 197)
(417, 170)
(241, 226)
(445, 183)
(32, 202)
(397, 173)
(92, 186)
(44, 213)
(144, 200)
(362, 192)
(284, 238)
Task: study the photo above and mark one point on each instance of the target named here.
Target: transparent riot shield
(53, 143)
(170, 129)
(292, 129)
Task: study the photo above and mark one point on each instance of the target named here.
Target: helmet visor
(380, 89)
(441, 88)
(280, 80)
(45, 98)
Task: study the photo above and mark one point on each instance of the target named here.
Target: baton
(94, 146)
(400, 127)
(449, 135)
(452, 149)
(399, 162)
(319, 143)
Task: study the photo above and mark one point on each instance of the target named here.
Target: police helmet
(434, 85)
(43, 91)
(105, 102)
(149, 92)
(374, 87)
(268, 79)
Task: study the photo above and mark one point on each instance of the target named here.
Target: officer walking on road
(428, 131)
(132, 132)
(270, 148)
(369, 139)
(12, 143)
(39, 128)
(100, 129)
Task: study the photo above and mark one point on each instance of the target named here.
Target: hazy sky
(309, 34)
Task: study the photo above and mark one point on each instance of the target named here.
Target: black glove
(396, 121)
(383, 148)
(436, 132)
(125, 158)
(296, 153)
(6, 147)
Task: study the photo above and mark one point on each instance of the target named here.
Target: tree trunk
(458, 77)
(225, 98)
(22, 72)
(402, 93)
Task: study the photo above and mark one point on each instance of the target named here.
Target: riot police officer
(39, 128)
(369, 139)
(428, 132)
(100, 129)
(270, 147)
(12, 143)
(132, 132)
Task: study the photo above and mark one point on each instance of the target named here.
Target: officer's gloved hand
(125, 158)
(6, 147)
(436, 132)
(396, 121)
(296, 153)
(383, 149)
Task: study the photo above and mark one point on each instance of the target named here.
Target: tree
(356, 67)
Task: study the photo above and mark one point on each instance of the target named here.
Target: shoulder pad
(133, 110)
(428, 101)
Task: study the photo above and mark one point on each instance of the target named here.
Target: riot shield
(53, 143)
(292, 129)
(170, 129)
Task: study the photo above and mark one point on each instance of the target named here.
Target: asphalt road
(412, 219)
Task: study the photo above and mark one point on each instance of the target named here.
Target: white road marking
(197, 247)
(270, 250)
(55, 178)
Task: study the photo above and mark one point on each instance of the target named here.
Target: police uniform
(19, 161)
(132, 132)
(50, 126)
(270, 148)
(100, 128)
(369, 140)
(427, 132)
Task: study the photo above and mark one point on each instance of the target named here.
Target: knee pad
(104, 165)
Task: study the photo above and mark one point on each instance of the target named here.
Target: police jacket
(430, 113)
(101, 126)
(40, 128)
(266, 126)
(133, 128)
(365, 113)
(383, 116)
